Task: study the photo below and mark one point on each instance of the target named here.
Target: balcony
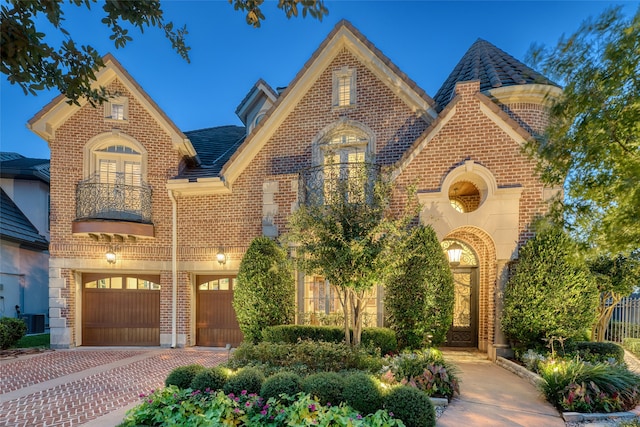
(113, 209)
(353, 181)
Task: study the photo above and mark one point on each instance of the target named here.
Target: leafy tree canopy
(593, 142)
(31, 62)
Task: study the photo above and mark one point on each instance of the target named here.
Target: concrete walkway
(494, 397)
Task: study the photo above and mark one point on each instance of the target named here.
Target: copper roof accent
(493, 67)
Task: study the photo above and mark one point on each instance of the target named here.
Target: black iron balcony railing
(113, 201)
(353, 182)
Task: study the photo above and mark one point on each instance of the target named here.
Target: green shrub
(573, 385)
(283, 383)
(362, 392)
(424, 370)
(633, 345)
(183, 375)
(294, 333)
(264, 293)
(247, 379)
(212, 379)
(551, 294)
(419, 293)
(311, 356)
(328, 387)
(174, 407)
(11, 331)
(596, 351)
(411, 406)
(382, 338)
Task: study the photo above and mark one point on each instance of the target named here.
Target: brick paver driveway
(73, 387)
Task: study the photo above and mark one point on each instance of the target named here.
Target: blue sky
(424, 38)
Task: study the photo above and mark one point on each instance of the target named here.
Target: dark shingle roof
(23, 167)
(16, 227)
(493, 67)
(214, 147)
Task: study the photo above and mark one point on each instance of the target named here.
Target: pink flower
(244, 392)
(312, 407)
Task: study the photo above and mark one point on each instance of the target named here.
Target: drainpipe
(174, 268)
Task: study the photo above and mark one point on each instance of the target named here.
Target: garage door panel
(113, 317)
(216, 322)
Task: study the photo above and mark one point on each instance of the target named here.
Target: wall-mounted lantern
(454, 251)
(111, 256)
(221, 257)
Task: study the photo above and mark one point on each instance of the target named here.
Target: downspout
(174, 268)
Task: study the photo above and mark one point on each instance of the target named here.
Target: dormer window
(117, 109)
(344, 87)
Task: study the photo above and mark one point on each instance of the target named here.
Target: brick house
(176, 210)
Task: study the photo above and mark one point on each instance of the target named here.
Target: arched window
(115, 188)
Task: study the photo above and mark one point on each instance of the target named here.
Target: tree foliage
(345, 240)
(264, 293)
(551, 294)
(34, 64)
(593, 142)
(419, 292)
(616, 278)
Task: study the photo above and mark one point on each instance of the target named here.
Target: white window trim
(91, 151)
(337, 75)
(121, 100)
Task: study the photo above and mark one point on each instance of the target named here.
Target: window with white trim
(344, 166)
(344, 87)
(117, 109)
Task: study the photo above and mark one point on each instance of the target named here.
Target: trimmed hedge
(182, 376)
(412, 406)
(282, 383)
(212, 379)
(11, 331)
(362, 393)
(328, 387)
(382, 338)
(246, 379)
(596, 351)
(305, 357)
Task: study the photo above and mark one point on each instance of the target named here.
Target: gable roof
(260, 87)
(214, 147)
(493, 67)
(55, 113)
(343, 35)
(16, 227)
(23, 167)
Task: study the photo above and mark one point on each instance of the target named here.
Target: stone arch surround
(485, 249)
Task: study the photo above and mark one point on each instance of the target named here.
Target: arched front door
(464, 328)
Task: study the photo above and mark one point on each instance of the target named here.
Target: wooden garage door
(120, 310)
(216, 323)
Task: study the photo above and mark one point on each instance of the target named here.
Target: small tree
(345, 238)
(616, 278)
(419, 292)
(264, 293)
(551, 294)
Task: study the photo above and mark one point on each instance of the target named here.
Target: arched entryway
(464, 328)
(475, 278)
